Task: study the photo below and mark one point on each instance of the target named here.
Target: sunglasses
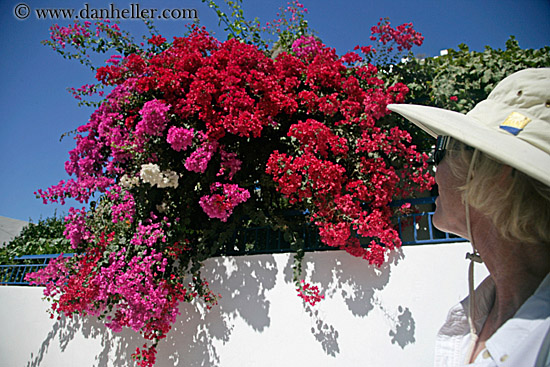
(441, 145)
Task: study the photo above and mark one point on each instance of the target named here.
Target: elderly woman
(493, 174)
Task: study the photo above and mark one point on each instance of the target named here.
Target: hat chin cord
(473, 257)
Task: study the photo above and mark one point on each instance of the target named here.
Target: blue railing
(414, 229)
(423, 231)
(14, 274)
(417, 228)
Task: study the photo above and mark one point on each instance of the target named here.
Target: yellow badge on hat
(515, 122)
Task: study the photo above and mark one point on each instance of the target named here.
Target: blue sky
(36, 109)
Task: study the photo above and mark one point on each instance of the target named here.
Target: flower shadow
(117, 347)
(403, 332)
(242, 282)
(356, 282)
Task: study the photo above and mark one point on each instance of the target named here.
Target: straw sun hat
(512, 125)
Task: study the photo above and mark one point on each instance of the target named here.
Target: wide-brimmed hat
(512, 125)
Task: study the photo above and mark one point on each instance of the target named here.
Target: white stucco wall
(370, 317)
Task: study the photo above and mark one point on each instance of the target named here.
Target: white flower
(168, 179)
(151, 173)
(128, 182)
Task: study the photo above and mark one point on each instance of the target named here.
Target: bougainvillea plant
(199, 139)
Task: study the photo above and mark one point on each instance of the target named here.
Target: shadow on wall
(118, 347)
(356, 283)
(403, 332)
(244, 283)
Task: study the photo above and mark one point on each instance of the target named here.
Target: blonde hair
(518, 204)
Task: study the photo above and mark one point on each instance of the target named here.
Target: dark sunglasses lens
(440, 148)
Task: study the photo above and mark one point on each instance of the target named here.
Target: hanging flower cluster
(393, 44)
(309, 293)
(404, 35)
(198, 138)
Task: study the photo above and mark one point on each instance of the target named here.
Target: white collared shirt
(516, 343)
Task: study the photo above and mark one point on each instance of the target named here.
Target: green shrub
(44, 237)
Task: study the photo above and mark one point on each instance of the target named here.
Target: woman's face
(450, 213)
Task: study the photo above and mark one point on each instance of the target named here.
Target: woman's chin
(439, 222)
